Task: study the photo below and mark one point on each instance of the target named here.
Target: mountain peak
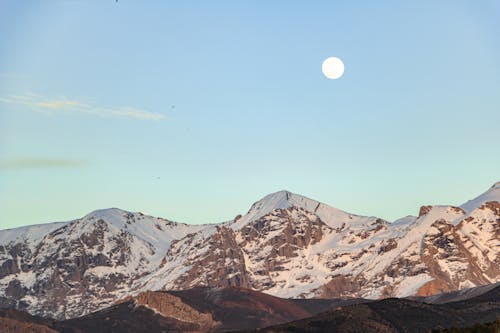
(492, 194)
(285, 199)
(281, 199)
(283, 192)
(278, 200)
(281, 195)
(106, 214)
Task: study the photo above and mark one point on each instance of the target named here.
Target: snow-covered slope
(493, 194)
(30, 234)
(286, 245)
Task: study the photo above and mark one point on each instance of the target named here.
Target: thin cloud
(38, 103)
(57, 104)
(40, 163)
(135, 113)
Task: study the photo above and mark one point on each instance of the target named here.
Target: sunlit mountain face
(286, 245)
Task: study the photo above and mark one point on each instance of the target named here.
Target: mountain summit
(285, 200)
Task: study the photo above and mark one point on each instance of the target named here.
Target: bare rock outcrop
(171, 306)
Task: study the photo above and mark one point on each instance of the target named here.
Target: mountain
(49, 269)
(287, 246)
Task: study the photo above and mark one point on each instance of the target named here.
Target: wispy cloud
(41, 104)
(39, 163)
(57, 104)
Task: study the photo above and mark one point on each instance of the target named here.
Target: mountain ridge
(493, 192)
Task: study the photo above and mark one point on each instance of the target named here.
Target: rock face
(286, 245)
(169, 305)
(212, 258)
(270, 242)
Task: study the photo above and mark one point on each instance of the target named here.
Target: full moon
(333, 68)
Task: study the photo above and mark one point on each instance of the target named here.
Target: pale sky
(194, 110)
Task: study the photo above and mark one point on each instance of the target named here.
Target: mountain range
(287, 246)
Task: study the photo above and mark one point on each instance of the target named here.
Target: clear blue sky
(194, 110)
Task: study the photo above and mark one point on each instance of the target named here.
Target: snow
(151, 236)
(27, 279)
(411, 284)
(29, 234)
(404, 221)
(186, 250)
(493, 194)
(478, 234)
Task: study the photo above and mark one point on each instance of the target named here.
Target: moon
(333, 68)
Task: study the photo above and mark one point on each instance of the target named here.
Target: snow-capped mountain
(286, 245)
(66, 269)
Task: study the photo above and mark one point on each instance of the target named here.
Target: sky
(193, 110)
